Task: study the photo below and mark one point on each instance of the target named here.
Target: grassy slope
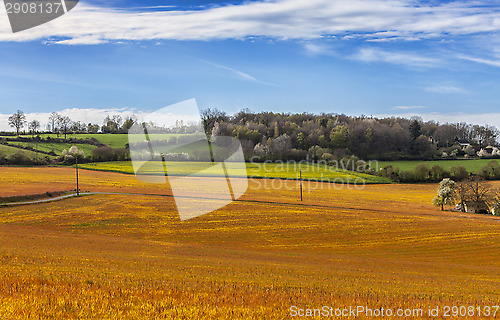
(112, 140)
(116, 257)
(7, 150)
(56, 147)
(471, 165)
(309, 172)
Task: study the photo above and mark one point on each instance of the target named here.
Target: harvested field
(123, 256)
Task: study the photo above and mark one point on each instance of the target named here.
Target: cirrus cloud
(281, 19)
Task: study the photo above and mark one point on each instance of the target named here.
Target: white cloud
(395, 57)
(408, 107)
(444, 89)
(76, 114)
(160, 117)
(281, 19)
(316, 49)
(98, 115)
(492, 119)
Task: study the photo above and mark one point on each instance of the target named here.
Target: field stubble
(122, 256)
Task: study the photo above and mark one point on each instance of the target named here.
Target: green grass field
(270, 170)
(56, 147)
(8, 151)
(111, 140)
(473, 165)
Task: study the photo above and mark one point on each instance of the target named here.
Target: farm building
(463, 143)
(489, 151)
(496, 209)
(476, 207)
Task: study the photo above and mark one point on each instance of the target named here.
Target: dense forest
(284, 136)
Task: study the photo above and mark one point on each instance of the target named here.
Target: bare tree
(17, 120)
(475, 190)
(118, 120)
(111, 124)
(64, 124)
(464, 130)
(446, 134)
(485, 134)
(53, 120)
(33, 126)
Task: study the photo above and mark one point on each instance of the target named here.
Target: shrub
(470, 151)
(491, 171)
(297, 155)
(390, 172)
(103, 154)
(68, 156)
(406, 176)
(458, 173)
(438, 173)
(19, 158)
(176, 156)
(422, 172)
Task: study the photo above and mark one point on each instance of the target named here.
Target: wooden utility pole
(164, 164)
(300, 181)
(77, 184)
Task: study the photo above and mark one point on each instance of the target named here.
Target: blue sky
(437, 59)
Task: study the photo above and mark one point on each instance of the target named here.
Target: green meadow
(8, 151)
(255, 170)
(472, 165)
(111, 140)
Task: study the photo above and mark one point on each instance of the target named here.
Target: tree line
(307, 136)
(337, 136)
(63, 125)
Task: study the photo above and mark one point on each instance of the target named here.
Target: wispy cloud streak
(240, 74)
(494, 63)
(280, 19)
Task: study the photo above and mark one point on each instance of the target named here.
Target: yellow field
(129, 256)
